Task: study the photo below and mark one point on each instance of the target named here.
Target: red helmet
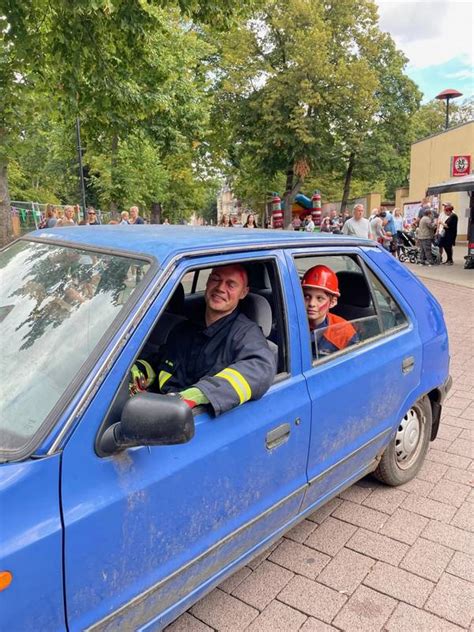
(322, 278)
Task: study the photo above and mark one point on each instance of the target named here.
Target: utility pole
(81, 173)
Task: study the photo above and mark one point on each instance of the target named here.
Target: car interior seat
(356, 304)
(173, 314)
(258, 309)
(355, 300)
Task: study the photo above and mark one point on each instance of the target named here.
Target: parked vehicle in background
(120, 512)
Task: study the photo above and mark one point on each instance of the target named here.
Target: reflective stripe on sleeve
(163, 377)
(238, 383)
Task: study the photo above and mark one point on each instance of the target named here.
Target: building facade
(433, 161)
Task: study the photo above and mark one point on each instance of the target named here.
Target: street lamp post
(446, 95)
(81, 172)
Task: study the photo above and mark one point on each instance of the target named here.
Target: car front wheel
(404, 457)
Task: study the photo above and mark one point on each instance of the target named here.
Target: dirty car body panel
(130, 539)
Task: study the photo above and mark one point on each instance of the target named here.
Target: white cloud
(461, 74)
(430, 33)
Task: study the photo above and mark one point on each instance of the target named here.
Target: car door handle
(408, 364)
(277, 436)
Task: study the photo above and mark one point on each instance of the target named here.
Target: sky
(437, 37)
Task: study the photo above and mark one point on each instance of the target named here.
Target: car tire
(405, 454)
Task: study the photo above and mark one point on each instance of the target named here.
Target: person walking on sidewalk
(450, 227)
(426, 231)
(357, 225)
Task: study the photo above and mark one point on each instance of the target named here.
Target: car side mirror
(149, 419)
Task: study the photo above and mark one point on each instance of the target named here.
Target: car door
(147, 527)
(359, 394)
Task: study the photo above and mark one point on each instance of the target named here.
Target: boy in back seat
(329, 333)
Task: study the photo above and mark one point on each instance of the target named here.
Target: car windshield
(56, 303)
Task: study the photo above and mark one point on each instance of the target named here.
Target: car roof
(162, 242)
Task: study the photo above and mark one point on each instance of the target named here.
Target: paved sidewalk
(375, 558)
(455, 274)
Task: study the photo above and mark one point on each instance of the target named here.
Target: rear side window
(346, 304)
(390, 312)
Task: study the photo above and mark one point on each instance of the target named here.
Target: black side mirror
(149, 419)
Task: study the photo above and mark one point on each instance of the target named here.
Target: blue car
(120, 512)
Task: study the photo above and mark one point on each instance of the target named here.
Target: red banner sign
(461, 166)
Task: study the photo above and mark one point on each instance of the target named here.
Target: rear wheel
(402, 257)
(404, 456)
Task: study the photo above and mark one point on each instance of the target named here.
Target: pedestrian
(251, 222)
(92, 217)
(309, 224)
(296, 223)
(357, 225)
(135, 216)
(67, 219)
(166, 222)
(225, 222)
(450, 227)
(426, 231)
(50, 219)
(391, 231)
(425, 204)
(398, 221)
(377, 227)
(124, 218)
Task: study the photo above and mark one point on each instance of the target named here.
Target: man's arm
(248, 376)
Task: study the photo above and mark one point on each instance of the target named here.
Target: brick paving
(375, 558)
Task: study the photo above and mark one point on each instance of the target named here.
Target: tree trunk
(291, 190)
(347, 181)
(6, 226)
(155, 215)
(113, 177)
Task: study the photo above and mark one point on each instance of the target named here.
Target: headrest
(176, 302)
(257, 275)
(258, 309)
(353, 288)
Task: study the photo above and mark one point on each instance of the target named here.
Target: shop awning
(460, 183)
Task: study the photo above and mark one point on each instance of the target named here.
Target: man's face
(317, 303)
(332, 214)
(358, 212)
(225, 287)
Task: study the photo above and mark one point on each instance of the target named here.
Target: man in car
(329, 332)
(224, 360)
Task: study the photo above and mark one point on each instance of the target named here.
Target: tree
(121, 66)
(304, 84)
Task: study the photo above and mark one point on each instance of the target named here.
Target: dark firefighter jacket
(230, 361)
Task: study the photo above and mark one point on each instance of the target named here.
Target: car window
(264, 304)
(391, 314)
(343, 321)
(56, 303)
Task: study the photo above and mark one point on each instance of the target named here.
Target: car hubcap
(408, 438)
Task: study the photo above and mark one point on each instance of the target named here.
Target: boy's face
(317, 303)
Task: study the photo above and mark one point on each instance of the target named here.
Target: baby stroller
(407, 249)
